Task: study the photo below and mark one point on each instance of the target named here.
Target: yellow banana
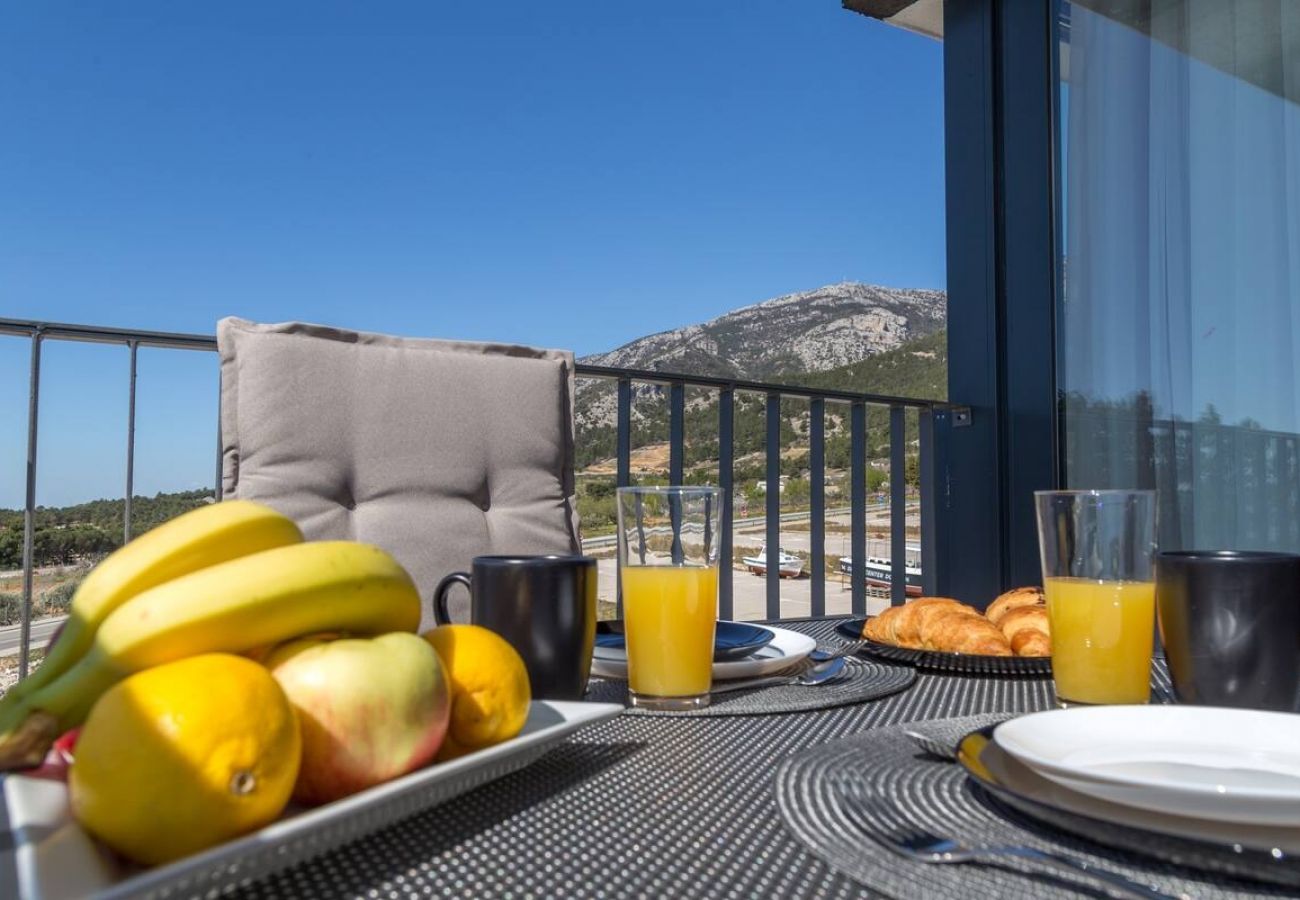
(234, 606)
(200, 538)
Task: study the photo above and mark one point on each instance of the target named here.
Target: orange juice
(668, 615)
(1101, 639)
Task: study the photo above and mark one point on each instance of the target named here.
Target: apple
(369, 710)
(58, 759)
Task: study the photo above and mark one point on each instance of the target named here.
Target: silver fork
(932, 746)
(839, 652)
(923, 846)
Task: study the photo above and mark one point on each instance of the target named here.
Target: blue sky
(572, 175)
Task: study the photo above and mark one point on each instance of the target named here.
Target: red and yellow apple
(369, 710)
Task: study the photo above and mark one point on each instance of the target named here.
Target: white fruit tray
(45, 855)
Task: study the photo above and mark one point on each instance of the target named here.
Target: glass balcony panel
(1179, 326)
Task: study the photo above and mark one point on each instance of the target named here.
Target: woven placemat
(863, 680)
(907, 787)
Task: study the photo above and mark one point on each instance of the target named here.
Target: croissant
(913, 618)
(880, 628)
(1013, 599)
(1027, 628)
(964, 631)
(890, 626)
(900, 625)
(937, 623)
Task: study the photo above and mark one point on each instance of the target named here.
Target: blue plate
(731, 640)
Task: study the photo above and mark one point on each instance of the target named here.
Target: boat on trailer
(789, 565)
(879, 570)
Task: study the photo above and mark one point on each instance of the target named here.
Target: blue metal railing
(624, 379)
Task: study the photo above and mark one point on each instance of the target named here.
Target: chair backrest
(437, 451)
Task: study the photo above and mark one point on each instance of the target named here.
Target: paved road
(749, 594)
(840, 515)
(42, 631)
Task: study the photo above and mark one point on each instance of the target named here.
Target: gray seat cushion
(437, 451)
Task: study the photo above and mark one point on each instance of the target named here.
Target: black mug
(545, 606)
(1230, 624)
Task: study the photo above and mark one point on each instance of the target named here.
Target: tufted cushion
(437, 451)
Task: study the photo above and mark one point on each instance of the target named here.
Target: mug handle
(440, 614)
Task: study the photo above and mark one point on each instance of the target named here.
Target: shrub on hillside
(53, 602)
(57, 600)
(11, 606)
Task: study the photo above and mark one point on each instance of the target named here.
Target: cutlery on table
(933, 746)
(923, 846)
(818, 674)
(846, 650)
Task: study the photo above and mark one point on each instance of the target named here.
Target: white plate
(52, 858)
(1233, 765)
(785, 649)
(1024, 781)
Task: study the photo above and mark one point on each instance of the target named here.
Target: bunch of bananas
(229, 577)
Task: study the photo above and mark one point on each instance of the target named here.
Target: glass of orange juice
(668, 577)
(1098, 553)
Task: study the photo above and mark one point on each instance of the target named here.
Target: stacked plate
(1207, 787)
(741, 650)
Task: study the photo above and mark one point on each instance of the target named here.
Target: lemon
(183, 756)
(489, 688)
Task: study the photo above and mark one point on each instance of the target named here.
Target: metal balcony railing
(675, 384)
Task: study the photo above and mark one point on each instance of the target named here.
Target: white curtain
(1180, 329)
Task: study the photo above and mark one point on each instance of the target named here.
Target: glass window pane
(1179, 329)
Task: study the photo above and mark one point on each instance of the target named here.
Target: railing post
(1291, 505)
(897, 505)
(624, 465)
(676, 462)
(726, 451)
(1262, 519)
(935, 427)
(773, 505)
(676, 436)
(624, 451)
(858, 506)
(29, 507)
(130, 447)
(817, 505)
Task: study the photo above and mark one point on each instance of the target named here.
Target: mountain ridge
(780, 339)
(823, 328)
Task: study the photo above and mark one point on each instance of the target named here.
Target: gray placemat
(908, 787)
(863, 680)
(639, 806)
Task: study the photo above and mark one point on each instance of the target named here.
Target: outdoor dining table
(641, 806)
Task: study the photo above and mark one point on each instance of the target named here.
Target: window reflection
(1179, 330)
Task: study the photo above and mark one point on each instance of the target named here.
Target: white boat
(879, 570)
(789, 565)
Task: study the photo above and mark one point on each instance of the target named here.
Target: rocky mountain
(811, 331)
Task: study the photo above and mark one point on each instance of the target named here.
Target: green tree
(913, 471)
(876, 479)
(797, 492)
(11, 548)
